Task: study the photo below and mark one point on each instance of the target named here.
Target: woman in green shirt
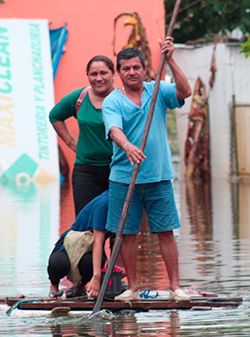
(93, 151)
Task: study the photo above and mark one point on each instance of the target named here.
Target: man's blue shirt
(121, 112)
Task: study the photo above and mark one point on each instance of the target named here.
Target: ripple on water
(214, 256)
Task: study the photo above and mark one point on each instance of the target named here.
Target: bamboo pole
(118, 239)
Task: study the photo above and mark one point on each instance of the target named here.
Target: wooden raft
(196, 303)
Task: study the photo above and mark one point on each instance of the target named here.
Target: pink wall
(90, 26)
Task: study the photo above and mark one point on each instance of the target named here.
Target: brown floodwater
(214, 255)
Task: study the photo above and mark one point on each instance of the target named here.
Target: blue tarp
(58, 38)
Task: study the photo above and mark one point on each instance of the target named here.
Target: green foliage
(245, 48)
(206, 18)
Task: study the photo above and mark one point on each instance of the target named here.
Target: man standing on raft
(125, 111)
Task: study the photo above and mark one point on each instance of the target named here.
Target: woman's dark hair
(129, 53)
(101, 58)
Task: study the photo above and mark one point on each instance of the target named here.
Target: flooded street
(214, 253)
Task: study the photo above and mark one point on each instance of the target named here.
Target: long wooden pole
(118, 239)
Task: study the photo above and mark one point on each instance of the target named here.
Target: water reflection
(67, 213)
(216, 322)
(29, 220)
(214, 250)
(242, 209)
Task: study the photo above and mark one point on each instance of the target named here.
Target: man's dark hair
(127, 54)
(101, 58)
